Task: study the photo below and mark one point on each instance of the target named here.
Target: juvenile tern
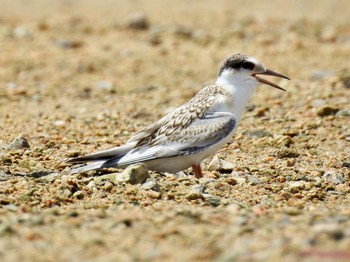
(194, 130)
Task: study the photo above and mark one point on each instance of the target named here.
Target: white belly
(176, 164)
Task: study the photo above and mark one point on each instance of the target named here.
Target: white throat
(241, 86)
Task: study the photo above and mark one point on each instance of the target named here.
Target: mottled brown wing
(173, 123)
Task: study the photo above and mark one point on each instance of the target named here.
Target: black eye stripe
(248, 65)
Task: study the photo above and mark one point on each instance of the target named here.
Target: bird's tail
(86, 168)
(99, 158)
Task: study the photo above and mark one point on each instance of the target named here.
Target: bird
(193, 131)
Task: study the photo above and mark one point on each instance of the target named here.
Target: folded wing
(201, 134)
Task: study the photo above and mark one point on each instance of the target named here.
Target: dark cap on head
(234, 61)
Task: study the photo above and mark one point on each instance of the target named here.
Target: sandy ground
(76, 77)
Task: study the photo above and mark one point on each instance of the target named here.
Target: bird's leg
(197, 171)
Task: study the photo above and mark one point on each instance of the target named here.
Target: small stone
(257, 133)
(151, 184)
(345, 78)
(296, 186)
(329, 34)
(231, 181)
(318, 102)
(4, 176)
(343, 112)
(290, 132)
(153, 194)
(198, 189)
(137, 21)
(327, 111)
(59, 123)
(332, 229)
(333, 177)
(51, 177)
(103, 178)
(287, 153)
(292, 211)
(283, 141)
(21, 32)
(207, 180)
(18, 143)
(67, 193)
(134, 174)
(253, 180)
(239, 177)
(69, 44)
(318, 75)
(184, 32)
(78, 195)
(220, 165)
(212, 200)
(105, 85)
(290, 162)
(6, 230)
(108, 186)
(194, 196)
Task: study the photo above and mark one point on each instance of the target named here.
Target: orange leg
(197, 171)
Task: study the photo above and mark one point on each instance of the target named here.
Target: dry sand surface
(80, 76)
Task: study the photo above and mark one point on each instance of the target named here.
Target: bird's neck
(241, 89)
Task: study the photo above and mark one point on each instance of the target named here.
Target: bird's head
(239, 68)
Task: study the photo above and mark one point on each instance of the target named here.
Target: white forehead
(253, 60)
(257, 63)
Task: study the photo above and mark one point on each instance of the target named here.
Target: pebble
(198, 189)
(137, 21)
(59, 123)
(207, 180)
(296, 186)
(287, 153)
(329, 34)
(253, 180)
(151, 184)
(107, 177)
(69, 44)
(343, 112)
(21, 32)
(257, 133)
(318, 75)
(78, 195)
(220, 165)
(105, 85)
(231, 181)
(108, 186)
(345, 78)
(332, 229)
(50, 177)
(292, 211)
(212, 200)
(194, 196)
(318, 102)
(239, 177)
(333, 177)
(18, 143)
(4, 176)
(196, 192)
(67, 193)
(327, 111)
(282, 140)
(183, 32)
(134, 174)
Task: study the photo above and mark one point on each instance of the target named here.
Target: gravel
(75, 82)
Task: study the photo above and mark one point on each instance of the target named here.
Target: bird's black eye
(248, 65)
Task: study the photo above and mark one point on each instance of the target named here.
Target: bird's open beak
(270, 73)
